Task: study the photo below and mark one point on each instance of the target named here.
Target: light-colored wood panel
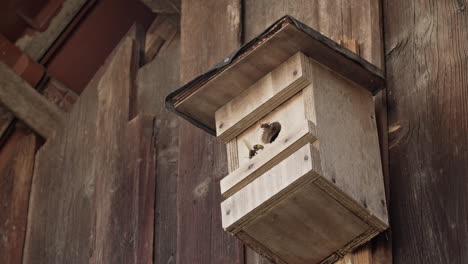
(27, 104)
(306, 227)
(255, 198)
(349, 142)
(259, 164)
(290, 115)
(262, 97)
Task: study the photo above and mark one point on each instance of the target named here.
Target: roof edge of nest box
(198, 100)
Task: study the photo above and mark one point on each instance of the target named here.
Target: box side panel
(349, 146)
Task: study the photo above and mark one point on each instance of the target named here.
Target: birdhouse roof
(198, 100)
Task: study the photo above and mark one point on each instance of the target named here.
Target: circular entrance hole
(270, 132)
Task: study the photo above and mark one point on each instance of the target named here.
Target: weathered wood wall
(92, 194)
(210, 29)
(155, 80)
(427, 79)
(427, 65)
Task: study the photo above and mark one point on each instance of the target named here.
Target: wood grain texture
(93, 186)
(205, 40)
(155, 80)
(262, 97)
(27, 104)
(337, 19)
(158, 36)
(16, 171)
(427, 69)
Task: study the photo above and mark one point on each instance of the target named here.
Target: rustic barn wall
(427, 78)
(155, 80)
(92, 194)
(210, 29)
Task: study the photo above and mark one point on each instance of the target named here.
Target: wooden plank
(164, 6)
(262, 97)
(337, 19)
(348, 137)
(260, 164)
(202, 160)
(38, 44)
(27, 104)
(155, 80)
(16, 171)
(242, 208)
(426, 60)
(159, 34)
(115, 229)
(102, 168)
(293, 216)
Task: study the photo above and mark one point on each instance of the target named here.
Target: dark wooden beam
(27, 104)
(427, 78)
(210, 29)
(155, 80)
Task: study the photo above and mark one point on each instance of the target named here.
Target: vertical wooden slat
(155, 80)
(427, 79)
(16, 169)
(210, 29)
(92, 198)
(338, 19)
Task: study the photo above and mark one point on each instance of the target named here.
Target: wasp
(253, 149)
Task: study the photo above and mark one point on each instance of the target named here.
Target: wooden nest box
(296, 112)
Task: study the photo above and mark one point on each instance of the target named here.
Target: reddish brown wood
(210, 30)
(20, 63)
(16, 169)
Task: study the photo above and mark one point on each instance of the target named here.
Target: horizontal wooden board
(258, 165)
(291, 214)
(243, 207)
(262, 97)
(28, 104)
